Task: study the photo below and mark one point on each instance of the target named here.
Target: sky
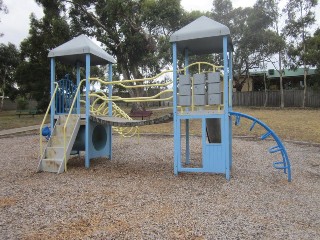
(15, 25)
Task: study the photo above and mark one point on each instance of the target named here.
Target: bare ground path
(136, 195)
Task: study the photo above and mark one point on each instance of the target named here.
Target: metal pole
(78, 83)
(186, 63)
(226, 126)
(53, 73)
(176, 127)
(110, 110)
(87, 130)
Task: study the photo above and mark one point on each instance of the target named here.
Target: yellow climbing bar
(46, 115)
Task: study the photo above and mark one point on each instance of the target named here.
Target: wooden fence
(292, 98)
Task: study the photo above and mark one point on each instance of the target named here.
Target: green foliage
(301, 17)
(22, 103)
(313, 50)
(9, 60)
(135, 32)
(250, 33)
(33, 74)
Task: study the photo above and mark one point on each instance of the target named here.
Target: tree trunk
(134, 92)
(305, 88)
(2, 97)
(281, 82)
(265, 91)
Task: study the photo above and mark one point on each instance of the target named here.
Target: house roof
(202, 36)
(76, 49)
(289, 73)
(272, 73)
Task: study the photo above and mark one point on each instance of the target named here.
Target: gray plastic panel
(199, 78)
(184, 79)
(214, 98)
(214, 87)
(199, 100)
(185, 90)
(199, 89)
(185, 100)
(213, 77)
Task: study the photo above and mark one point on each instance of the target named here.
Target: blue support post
(52, 87)
(110, 87)
(225, 125)
(186, 63)
(78, 82)
(176, 127)
(230, 80)
(87, 129)
(230, 107)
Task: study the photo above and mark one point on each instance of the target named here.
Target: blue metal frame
(109, 132)
(78, 82)
(186, 63)
(53, 74)
(65, 95)
(285, 164)
(176, 121)
(87, 130)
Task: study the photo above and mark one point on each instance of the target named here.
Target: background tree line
(137, 34)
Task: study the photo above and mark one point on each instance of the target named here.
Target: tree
(33, 74)
(4, 9)
(273, 42)
(313, 50)
(9, 60)
(136, 32)
(312, 57)
(301, 17)
(248, 27)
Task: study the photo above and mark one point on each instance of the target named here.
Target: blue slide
(285, 163)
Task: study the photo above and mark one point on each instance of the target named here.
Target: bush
(22, 103)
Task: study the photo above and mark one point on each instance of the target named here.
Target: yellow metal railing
(116, 112)
(46, 115)
(214, 69)
(102, 109)
(132, 80)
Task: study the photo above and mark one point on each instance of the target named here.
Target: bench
(26, 112)
(142, 114)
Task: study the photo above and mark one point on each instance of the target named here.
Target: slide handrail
(45, 116)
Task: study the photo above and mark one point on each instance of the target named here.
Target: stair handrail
(46, 115)
(65, 124)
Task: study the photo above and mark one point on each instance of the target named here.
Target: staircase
(52, 159)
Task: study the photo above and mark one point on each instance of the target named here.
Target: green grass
(9, 119)
(289, 124)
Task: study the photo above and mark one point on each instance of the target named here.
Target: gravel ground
(136, 195)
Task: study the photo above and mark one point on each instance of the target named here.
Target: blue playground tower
(204, 36)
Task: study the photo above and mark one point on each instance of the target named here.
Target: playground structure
(196, 95)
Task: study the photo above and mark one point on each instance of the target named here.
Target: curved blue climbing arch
(285, 163)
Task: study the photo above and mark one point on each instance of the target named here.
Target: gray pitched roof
(202, 36)
(76, 50)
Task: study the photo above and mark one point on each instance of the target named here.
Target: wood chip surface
(137, 196)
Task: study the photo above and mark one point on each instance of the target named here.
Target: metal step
(72, 119)
(58, 141)
(54, 152)
(51, 165)
(58, 130)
